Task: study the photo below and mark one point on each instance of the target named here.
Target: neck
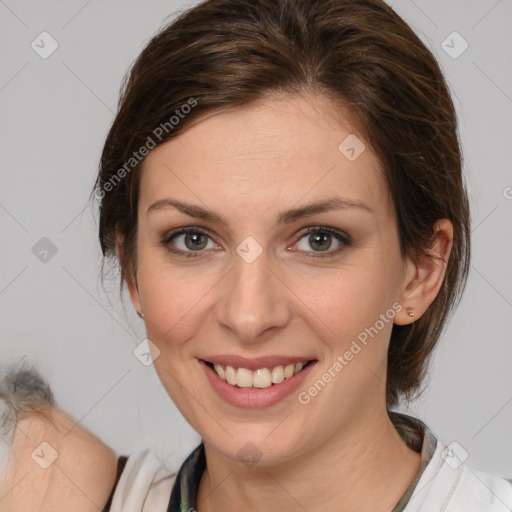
(367, 467)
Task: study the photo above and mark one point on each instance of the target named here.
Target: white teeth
(261, 378)
(288, 370)
(220, 370)
(230, 375)
(278, 374)
(244, 378)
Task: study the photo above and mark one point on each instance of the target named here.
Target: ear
(424, 276)
(131, 282)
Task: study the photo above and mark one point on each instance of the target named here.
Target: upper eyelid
(333, 231)
(299, 235)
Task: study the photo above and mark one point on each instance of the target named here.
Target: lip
(255, 363)
(252, 398)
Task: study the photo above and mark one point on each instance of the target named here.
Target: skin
(340, 451)
(79, 479)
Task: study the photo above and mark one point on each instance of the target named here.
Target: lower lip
(252, 398)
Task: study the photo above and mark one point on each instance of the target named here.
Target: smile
(261, 378)
(260, 387)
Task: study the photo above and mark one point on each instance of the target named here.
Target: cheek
(353, 304)
(352, 297)
(174, 312)
(174, 301)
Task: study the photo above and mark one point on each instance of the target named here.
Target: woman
(282, 189)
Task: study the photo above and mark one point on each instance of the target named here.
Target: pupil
(322, 240)
(195, 239)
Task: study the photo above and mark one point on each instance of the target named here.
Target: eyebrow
(286, 217)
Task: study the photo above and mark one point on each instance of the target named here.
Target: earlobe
(424, 275)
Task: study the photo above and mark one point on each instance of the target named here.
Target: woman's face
(262, 276)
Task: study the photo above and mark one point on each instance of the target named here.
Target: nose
(252, 302)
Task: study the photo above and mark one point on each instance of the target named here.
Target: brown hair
(358, 53)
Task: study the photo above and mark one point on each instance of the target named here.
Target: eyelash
(343, 238)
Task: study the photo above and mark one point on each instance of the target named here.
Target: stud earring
(141, 314)
(410, 312)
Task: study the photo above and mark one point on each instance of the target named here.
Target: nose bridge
(253, 300)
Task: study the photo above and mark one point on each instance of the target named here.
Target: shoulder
(145, 483)
(54, 463)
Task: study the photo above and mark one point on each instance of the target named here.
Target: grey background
(55, 115)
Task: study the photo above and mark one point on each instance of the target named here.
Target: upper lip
(254, 363)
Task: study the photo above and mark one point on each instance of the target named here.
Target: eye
(187, 241)
(192, 241)
(321, 239)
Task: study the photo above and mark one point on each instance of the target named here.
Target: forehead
(274, 152)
